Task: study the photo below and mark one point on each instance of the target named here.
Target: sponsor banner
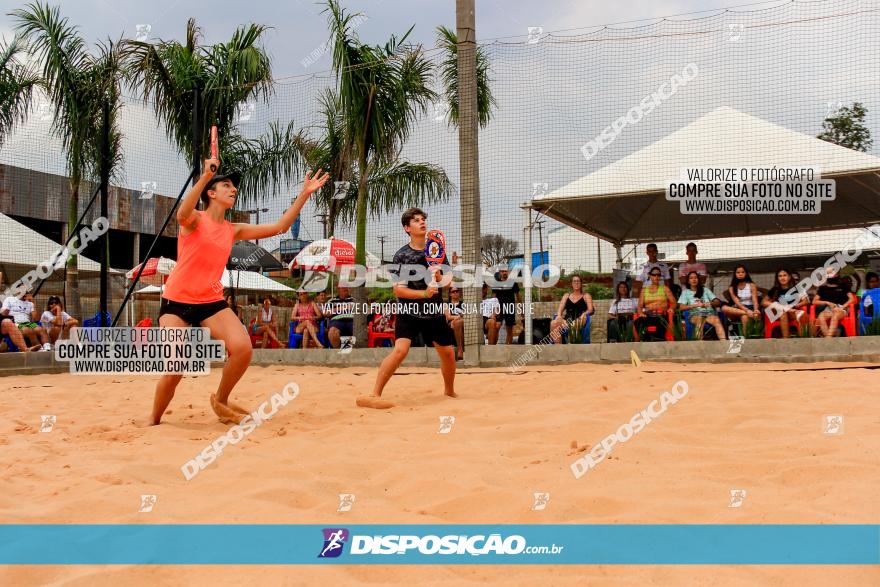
(439, 544)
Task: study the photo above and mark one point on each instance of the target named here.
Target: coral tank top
(201, 259)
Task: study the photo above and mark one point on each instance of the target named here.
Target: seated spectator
(622, 310)
(650, 265)
(265, 324)
(782, 284)
(507, 292)
(455, 319)
(872, 282)
(654, 302)
(743, 295)
(834, 299)
(8, 328)
(56, 321)
(490, 309)
(236, 309)
(22, 311)
(700, 302)
(306, 313)
(341, 316)
(692, 265)
(574, 307)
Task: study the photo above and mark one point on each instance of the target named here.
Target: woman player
(193, 295)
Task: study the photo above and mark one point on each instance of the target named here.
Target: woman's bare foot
(451, 393)
(226, 414)
(371, 401)
(237, 408)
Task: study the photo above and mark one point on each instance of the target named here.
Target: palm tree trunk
(72, 303)
(360, 292)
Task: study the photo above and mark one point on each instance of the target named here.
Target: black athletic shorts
(192, 314)
(434, 329)
(344, 325)
(508, 319)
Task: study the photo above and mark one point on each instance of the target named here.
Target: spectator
(307, 313)
(743, 294)
(22, 311)
(507, 292)
(56, 321)
(692, 265)
(834, 299)
(655, 300)
(653, 263)
(622, 311)
(783, 282)
(699, 301)
(265, 324)
(230, 301)
(341, 315)
(490, 309)
(9, 328)
(574, 307)
(872, 282)
(455, 319)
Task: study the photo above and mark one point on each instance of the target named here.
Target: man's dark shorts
(508, 319)
(434, 329)
(344, 325)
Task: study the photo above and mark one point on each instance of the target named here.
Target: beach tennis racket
(435, 247)
(215, 147)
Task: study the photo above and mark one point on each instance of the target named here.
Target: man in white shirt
(22, 311)
(665, 272)
(691, 265)
(491, 308)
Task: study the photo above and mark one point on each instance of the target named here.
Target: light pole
(540, 225)
(323, 221)
(257, 212)
(381, 240)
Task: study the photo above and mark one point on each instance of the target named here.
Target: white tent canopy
(250, 280)
(624, 202)
(19, 245)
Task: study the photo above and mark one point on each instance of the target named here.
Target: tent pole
(527, 273)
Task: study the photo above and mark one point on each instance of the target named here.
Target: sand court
(741, 427)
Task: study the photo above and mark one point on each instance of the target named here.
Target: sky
(553, 95)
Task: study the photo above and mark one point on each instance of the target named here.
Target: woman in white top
(56, 321)
(622, 310)
(744, 294)
(265, 324)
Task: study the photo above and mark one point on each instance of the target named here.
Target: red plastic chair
(848, 322)
(145, 323)
(372, 337)
(257, 339)
(670, 313)
(770, 326)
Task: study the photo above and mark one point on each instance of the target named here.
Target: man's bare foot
(226, 414)
(451, 393)
(371, 401)
(145, 422)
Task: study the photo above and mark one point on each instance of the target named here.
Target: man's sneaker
(46, 347)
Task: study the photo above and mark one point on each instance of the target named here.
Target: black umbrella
(247, 256)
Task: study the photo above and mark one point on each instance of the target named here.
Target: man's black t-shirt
(407, 255)
(506, 292)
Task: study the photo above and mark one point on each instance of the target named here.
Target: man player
(423, 315)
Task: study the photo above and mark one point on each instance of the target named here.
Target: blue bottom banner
(565, 544)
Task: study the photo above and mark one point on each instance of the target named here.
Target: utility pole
(540, 225)
(381, 240)
(468, 156)
(257, 212)
(322, 218)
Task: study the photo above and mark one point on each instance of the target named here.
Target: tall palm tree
(17, 84)
(382, 91)
(448, 40)
(226, 75)
(77, 84)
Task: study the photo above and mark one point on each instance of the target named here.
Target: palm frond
(17, 84)
(448, 40)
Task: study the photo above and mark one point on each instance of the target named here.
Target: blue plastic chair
(294, 340)
(874, 296)
(689, 326)
(585, 331)
(11, 345)
(95, 321)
